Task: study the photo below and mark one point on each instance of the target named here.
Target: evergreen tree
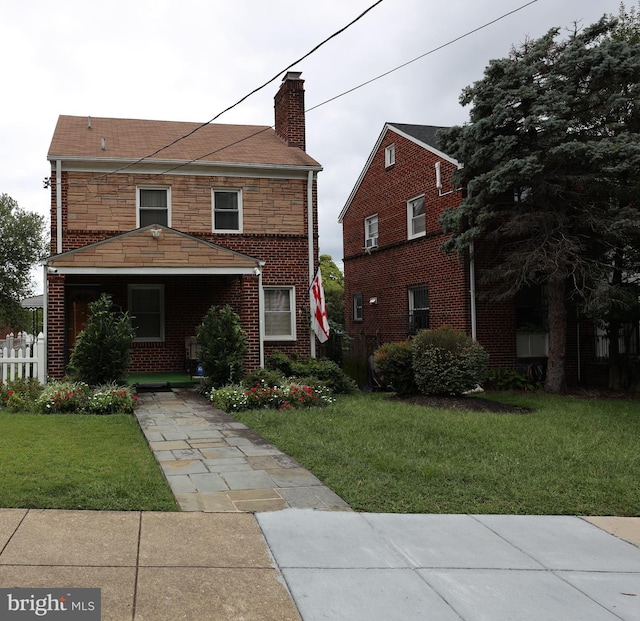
(551, 167)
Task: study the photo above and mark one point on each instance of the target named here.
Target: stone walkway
(214, 463)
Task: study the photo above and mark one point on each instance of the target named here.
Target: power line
(435, 49)
(267, 128)
(254, 91)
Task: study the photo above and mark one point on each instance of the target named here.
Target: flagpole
(312, 336)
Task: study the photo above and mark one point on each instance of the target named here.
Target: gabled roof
(152, 249)
(81, 138)
(425, 136)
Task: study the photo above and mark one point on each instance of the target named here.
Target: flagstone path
(214, 463)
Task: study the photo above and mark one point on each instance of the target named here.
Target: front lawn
(569, 456)
(75, 461)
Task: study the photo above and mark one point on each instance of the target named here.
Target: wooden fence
(23, 356)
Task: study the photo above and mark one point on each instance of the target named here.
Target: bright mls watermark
(50, 604)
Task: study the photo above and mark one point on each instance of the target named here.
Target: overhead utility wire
(382, 75)
(435, 49)
(254, 91)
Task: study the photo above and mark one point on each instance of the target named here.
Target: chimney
(289, 110)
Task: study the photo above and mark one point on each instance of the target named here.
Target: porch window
(418, 308)
(416, 224)
(227, 211)
(146, 307)
(153, 206)
(358, 307)
(279, 315)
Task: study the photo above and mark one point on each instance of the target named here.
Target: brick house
(170, 218)
(397, 278)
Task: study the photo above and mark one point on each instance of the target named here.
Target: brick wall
(387, 272)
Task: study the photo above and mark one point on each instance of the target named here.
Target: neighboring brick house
(398, 279)
(170, 218)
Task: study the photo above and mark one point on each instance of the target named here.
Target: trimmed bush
(324, 370)
(447, 362)
(223, 343)
(102, 351)
(394, 362)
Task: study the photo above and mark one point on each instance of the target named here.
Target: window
(416, 224)
(358, 307)
(371, 232)
(390, 156)
(227, 211)
(146, 306)
(418, 308)
(279, 315)
(153, 206)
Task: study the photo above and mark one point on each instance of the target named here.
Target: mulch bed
(475, 404)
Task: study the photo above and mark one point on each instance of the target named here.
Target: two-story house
(170, 218)
(398, 280)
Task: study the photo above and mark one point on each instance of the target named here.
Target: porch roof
(153, 249)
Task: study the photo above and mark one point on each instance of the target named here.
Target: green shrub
(394, 361)
(508, 379)
(102, 351)
(270, 377)
(19, 394)
(223, 343)
(447, 362)
(325, 370)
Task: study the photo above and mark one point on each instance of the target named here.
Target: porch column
(55, 325)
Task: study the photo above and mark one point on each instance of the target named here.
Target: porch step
(153, 387)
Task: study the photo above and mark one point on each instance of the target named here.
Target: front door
(77, 312)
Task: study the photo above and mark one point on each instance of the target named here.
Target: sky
(190, 60)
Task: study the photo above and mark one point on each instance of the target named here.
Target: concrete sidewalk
(312, 565)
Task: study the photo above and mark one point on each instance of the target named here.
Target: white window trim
(158, 339)
(390, 155)
(153, 187)
(369, 240)
(238, 191)
(410, 234)
(292, 305)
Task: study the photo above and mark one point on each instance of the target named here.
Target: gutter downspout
(312, 336)
(45, 314)
(260, 314)
(472, 291)
(59, 206)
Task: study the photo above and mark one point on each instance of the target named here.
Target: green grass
(569, 456)
(72, 461)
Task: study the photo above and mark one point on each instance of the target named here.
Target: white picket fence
(23, 355)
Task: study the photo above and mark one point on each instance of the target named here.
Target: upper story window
(371, 232)
(146, 306)
(389, 155)
(227, 210)
(358, 307)
(279, 315)
(154, 206)
(416, 224)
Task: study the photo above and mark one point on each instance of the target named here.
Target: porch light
(155, 233)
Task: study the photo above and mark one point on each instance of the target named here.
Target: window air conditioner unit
(371, 242)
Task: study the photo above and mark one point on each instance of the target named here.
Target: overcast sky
(188, 60)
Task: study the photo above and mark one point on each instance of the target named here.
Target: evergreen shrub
(223, 343)
(447, 362)
(394, 362)
(102, 351)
